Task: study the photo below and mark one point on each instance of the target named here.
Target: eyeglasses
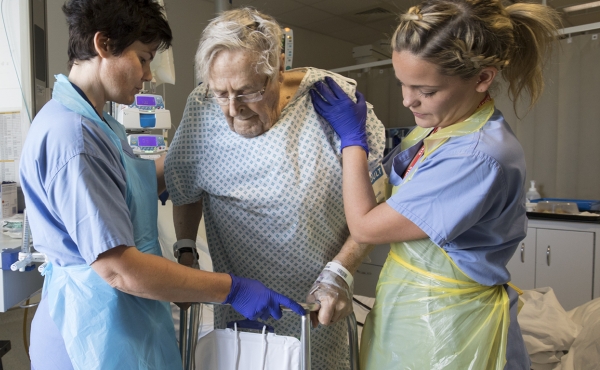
(244, 98)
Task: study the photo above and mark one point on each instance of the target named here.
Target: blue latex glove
(253, 300)
(347, 118)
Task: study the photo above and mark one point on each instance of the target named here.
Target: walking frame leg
(353, 341)
(188, 335)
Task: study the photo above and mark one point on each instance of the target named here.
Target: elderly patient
(253, 156)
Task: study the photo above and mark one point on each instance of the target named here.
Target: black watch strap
(185, 250)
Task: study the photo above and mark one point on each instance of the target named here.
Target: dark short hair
(122, 21)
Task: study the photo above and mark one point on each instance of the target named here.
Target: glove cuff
(356, 141)
(338, 269)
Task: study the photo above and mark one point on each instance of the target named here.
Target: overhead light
(575, 8)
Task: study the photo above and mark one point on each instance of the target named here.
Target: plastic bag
(13, 226)
(430, 315)
(228, 349)
(163, 66)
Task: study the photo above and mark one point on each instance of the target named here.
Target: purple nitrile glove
(347, 118)
(252, 299)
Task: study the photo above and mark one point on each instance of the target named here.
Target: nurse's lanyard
(419, 154)
(422, 150)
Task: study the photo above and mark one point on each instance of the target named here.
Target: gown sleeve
(182, 165)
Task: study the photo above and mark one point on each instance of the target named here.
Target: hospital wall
(187, 19)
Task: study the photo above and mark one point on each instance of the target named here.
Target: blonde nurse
(457, 209)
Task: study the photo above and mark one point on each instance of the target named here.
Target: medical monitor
(145, 100)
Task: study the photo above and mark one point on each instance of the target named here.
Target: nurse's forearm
(352, 254)
(187, 219)
(368, 222)
(359, 198)
(153, 277)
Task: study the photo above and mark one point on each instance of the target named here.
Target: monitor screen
(145, 100)
(147, 141)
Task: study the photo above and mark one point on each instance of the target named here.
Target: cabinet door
(522, 264)
(367, 274)
(565, 262)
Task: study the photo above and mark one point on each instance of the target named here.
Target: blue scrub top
(75, 187)
(468, 198)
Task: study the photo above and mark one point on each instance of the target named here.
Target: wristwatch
(185, 246)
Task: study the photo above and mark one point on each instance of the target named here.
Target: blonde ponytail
(464, 36)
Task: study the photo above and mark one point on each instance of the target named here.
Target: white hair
(244, 29)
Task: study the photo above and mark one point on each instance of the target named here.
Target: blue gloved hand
(346, 117)
(253, 300)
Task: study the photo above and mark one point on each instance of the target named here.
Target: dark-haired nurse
(92, 207)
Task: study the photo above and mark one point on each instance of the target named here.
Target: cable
(25, 329)
(13, 60)
(362, 304)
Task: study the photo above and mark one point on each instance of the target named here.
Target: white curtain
(561, 134)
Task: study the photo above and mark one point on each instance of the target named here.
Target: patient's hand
(335, 297)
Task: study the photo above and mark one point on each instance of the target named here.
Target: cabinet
(16, 286)
(522, 264)
(367, 274)
(559, 255)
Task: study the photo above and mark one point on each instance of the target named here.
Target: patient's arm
(352, 254)
(187, 220)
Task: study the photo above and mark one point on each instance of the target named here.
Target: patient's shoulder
(293, 78)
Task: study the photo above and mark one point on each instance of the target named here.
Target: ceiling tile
(274, 8)
(581, 18)
(309, 2)
(329, 25)
(347, 9)
(242, 3)
(386, 27)
(300, 17)
(359, 35)
(339, 7)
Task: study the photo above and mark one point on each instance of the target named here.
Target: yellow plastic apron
(428, 314)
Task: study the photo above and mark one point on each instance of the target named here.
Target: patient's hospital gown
(272, 204)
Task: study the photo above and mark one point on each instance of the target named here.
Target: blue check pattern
(272, 204)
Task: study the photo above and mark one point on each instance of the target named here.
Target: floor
(11, 328)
